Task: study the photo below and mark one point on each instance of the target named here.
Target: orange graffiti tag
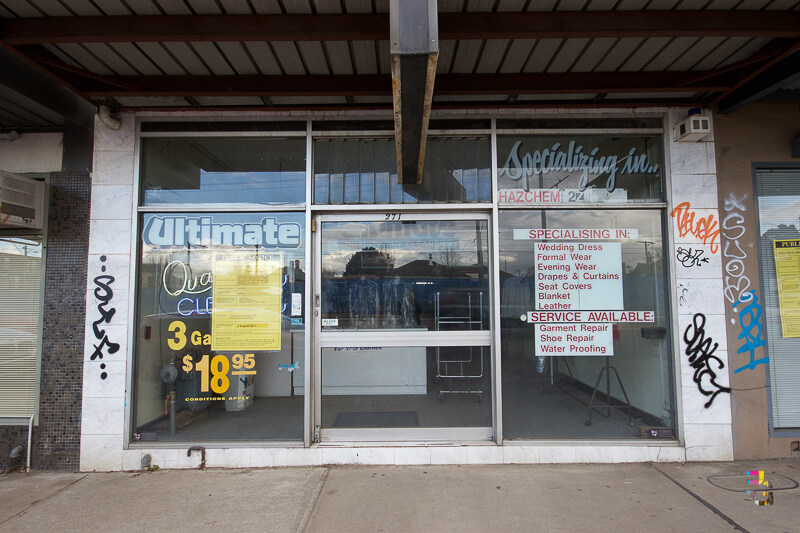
(705, 228)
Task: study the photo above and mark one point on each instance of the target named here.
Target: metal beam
(595, 24)
(196, 28)
(377, 85)
(375, 26)
(771, 76)
(415, 50)
(477, 105)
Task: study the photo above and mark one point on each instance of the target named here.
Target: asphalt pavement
(649, 497)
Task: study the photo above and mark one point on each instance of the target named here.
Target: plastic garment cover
(409, 310)
(400, 308)
(363, 299)
(515, 297)
(392, 296)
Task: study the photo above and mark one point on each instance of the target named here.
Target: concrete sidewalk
(614, 497)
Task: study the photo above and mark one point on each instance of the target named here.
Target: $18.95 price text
(214, 370)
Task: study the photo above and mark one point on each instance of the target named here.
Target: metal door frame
(350, 338)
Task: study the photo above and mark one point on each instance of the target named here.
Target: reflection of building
(421, 268)
(783, 231)
(369, 261)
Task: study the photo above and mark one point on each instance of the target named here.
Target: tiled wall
(10, 438)
(107, 288)
(57, 438)
(698, 269)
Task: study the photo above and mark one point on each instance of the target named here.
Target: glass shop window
(364, 171)
(417, 279)
(584, 325)
(779, 233)
(431, 275)
(20, 323)
(578, 169)
(220, 327)
(214, 171)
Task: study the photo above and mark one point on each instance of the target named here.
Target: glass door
(402, 323)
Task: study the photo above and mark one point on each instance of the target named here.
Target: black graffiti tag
(690, 258)
(700, 352)
(103, 293)
(98, 348)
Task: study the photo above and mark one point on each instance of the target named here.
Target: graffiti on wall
(683, 295)
(103, 294)
(737, 282)
(737, 288)
(689, 257)
(751, 330)
(689, 223)
(700, 351)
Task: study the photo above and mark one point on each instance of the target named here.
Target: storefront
(273, 295)
(581, 273)
(759, 232)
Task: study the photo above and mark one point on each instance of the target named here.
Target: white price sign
(573, 275)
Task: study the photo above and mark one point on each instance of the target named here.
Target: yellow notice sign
(787, 272)
(247, 302)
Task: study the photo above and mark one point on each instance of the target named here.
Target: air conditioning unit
(694, 128)
(21, 202)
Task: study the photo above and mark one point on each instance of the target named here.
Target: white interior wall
(32, 152)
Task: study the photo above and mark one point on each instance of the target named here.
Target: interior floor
(533, 408)
(274, 418)
(449, 410)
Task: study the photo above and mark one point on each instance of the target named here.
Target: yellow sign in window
(787, 273)
(247, 302)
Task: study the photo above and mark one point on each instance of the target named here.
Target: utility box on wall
(694, 128)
